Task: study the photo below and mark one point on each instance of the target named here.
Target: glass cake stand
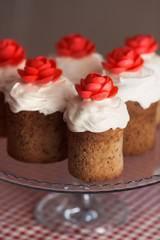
(83, 210)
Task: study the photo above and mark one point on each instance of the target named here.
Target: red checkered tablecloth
(17, 221)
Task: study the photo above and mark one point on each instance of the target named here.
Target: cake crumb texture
(158, 114)
(95, 156)
(2, 116)
(140, 133)
(34, 137)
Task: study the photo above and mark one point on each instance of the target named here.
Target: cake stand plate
(82, 210)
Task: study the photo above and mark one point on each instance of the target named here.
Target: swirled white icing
(9, 74)
(96, 116)
(75, 69)
(140, 86)
(152, 60)
(45, 98)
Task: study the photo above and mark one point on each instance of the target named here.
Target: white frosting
(75, 69)
(152, 60)
(9, 74)
(140, 86)
(96, 116)
(45, 98)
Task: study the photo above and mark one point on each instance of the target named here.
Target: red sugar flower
(142, 44)
(123, 60)
(11, 53)
(75, 45)
(96, 87)
(41, 70)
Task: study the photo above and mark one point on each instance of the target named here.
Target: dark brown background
(37, 24)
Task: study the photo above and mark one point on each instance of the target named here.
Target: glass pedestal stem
(84, 213)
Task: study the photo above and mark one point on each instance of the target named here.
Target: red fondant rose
(123, 60)
(96, 87)
(41, 70)
(75, 45)
(142, 44)
(11, 53)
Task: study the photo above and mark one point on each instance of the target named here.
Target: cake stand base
(81, 213)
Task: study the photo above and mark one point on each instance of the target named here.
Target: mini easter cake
(138, 89)
(147, 46)
(12, 56)
(96, 119)
(77, 58)
(36, 102)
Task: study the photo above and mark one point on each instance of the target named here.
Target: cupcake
(11, 56)
(146, 46)
(95, 119)
(138, 89)
(36, 131)
(77, 58)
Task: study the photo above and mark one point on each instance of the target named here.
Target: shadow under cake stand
(77, 206)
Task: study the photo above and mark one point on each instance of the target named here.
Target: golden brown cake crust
(158, 114)
(2, 116)
(34, 137)
(140, 133)
(95, 156)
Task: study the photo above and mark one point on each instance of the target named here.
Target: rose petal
(18, 60)
(84, 94)
(125, 63)
(53, 63)
(100, 96)
(91, 50)
(145, 42)
(117, 70)
(19, 51)
(64, 52)
(8, 52)
(88, 45)
(107, 66)
(99, 80)
(93, 87)
(29, 79)
(118, 55)
(47, 72)
(28, 62)
(153, 47)
(140, 50)
(62, 44)
(92, 75)
(45, 66)
(107, 87)
(57, 74)
(138, 61)
(3, 44)
(129, 54)
(131, 42)
(83, 84)
(142, 44)
(110, 59)
(81, 93)
(30, 71)
(113, 92)
(45, 80)
(78, 87)
(35, 63)
(135, 69)
(75, 45)
(21, 72)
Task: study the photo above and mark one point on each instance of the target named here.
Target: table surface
(17, 221)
